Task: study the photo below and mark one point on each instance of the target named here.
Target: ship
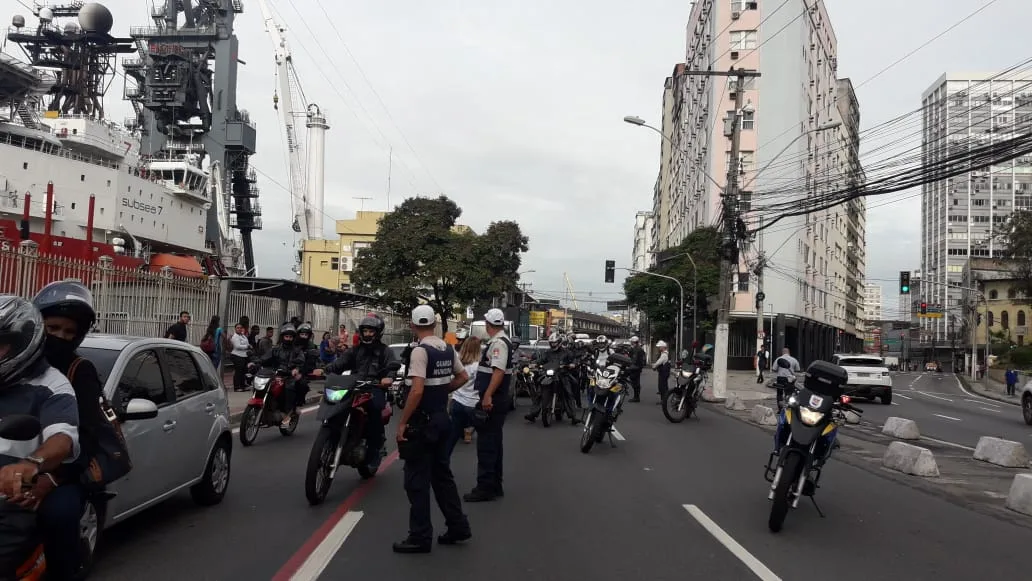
(169, 187)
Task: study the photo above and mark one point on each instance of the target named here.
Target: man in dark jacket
(556, 357)
(637, 364)
(287, 355)
(369, 361)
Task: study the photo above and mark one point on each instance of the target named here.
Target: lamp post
(680, 312)
(695, 294)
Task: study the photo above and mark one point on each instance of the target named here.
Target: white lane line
(904, 396)
(982, 402)
(935, 396)
(304, 411)
(323, 554)
(947, 417)
(894, 403)
(618, 435)
(961, 386)
(950, 444)
(994, 410)
(747, 559)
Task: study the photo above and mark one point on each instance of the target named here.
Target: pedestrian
(1011, 376)
(634, 369)
(239, 356)
(264, 345)
(177, 330)
(662, 366)
(252, 336)
(787, 367)
(423, 434)
(213, 341)
(326, 349)
(494, 374)
(762, 358)
(465, 399)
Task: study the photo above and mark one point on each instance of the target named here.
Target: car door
(150, 442)
(196, 410)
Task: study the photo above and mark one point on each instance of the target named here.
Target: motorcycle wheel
(671, 401)
(317, 474)
(590, 434)
(546, 417)
(790, 471)
(295, 419)
(250, 424)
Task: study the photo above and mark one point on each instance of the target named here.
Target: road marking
(904, 396)
(314, 542)
(323, 554)
(618, 435)
(304, 411)
(991, 409)
(935, 396)
(894, 403)
(747, 559)
(982, 402)
(947, 417)
(951, 444)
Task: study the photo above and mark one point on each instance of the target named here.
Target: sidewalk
(991, 390)
(743, 387)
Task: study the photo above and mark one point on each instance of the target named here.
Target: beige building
(329, 263)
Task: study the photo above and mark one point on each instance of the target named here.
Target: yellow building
(329, 263)
(1009, 309)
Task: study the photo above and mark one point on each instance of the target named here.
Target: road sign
(537, 318)
(616, 305)
(929, 315)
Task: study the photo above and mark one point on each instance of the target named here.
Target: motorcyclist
(369, 362)
(68, 315)
(287, 355)
(786, 367)
(637, 364)
(461, 334)
(29, 385)
(310, 348)
(557, 356)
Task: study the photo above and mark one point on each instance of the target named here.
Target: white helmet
(635, 340)
(661, 344)
(554, 340)
(601, 340)
(461, 333)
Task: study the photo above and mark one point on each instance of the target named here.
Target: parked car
(1026, 402)
(868, 376)
(187, 442)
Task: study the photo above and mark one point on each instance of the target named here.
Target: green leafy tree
(419, 257)
(658, 298)
(1016, 237)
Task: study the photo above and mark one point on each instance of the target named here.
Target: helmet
(287, 330)
(554, 341)
(601, 340)
(68, 299)
(304, 328)
(370, 322)
(21, 330)
(461, 333)
(661, 344)
(635, 340)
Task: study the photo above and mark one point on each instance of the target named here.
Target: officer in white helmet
(494, 375)
(662, 367)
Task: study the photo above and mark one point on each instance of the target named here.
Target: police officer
(634, 370)
(435, 371)
(494, 374)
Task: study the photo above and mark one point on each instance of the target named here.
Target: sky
(514, 109)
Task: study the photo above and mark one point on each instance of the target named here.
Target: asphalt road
(945, 411)
(618, 513)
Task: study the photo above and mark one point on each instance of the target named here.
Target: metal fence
(139, 303)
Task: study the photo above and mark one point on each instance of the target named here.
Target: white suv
(868, 376)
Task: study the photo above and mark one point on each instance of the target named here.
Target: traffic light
(902, 336)
(904, 282)
(924, 308)
(610, 271)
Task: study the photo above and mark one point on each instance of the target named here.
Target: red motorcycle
(263, 409)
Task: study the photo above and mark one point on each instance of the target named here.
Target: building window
(1011, 293)
(743, 5)
(743, 282)
(1005, 320)
(745, 201)
(1021, 318)
(334, 263)
(989, 319)
(993, 295)
(748, 119)
(743, 39)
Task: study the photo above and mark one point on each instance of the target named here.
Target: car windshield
(860, 362)
(102, 359)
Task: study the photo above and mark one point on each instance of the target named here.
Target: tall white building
(642, 258)
(799, 137)
(872, 303)
(961, 216)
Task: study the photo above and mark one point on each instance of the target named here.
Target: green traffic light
(905, 289)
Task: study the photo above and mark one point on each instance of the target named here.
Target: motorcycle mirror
(20, 427)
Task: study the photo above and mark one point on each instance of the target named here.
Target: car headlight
(335, 395)
(810, 417)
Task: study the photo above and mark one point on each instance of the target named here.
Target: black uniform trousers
(489, 446)
(431, 469)
(664, 381)
(634, 375)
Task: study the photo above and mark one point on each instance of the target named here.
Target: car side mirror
(140, 409)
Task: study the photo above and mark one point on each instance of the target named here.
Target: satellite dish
(95, 17)
(71, 28)
(18, 21)
(46, 14)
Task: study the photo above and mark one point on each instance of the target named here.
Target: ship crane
(307, 168)
(572, 299)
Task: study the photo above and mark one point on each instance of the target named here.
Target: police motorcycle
(682, 400)
(263, 409)
(343, 412)
(523, 381)
(805, 438)
(609, 391)
(555, 386)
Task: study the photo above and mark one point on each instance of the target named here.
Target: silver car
(175, 420)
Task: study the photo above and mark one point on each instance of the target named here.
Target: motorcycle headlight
(335, 395)
(260, 383)
(603, 383)
(685, 373)
(526, 370)
(550, 372)
(809, 417)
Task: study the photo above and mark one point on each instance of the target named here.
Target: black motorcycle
(682, 400)
(555, 386)
(344, 411)
(608, 393)
(805, 438)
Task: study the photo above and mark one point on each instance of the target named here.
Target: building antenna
(390, 163)
(361, 202)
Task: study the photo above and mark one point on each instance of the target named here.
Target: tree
(658, 298)
(1016, 237)
(419, 257)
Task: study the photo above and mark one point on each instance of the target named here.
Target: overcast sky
(513, 109)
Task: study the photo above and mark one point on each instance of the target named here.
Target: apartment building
(961, 216)
(799, 137)
(872, 302)
(665, 195)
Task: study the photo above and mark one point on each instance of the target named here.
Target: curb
(234, 417)
(976, 391)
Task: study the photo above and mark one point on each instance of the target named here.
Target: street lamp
(680, 312)
(695, 293)
(635, 120)
(639, 122)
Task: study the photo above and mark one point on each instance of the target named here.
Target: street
(614, 514)
(945, 411)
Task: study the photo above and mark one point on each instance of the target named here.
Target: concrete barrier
(733, 402)
(764, 416)
(910, 459)
(1001, 452)
(707, 395)
(901, 428)
(1019, 499)
(852, 417)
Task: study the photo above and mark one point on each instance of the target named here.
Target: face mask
(58, 351)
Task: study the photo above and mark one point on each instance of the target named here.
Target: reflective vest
(439, 373)
(485, 371)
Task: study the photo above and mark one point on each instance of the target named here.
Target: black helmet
(68, 299)
(287, 329)
(370, 322)
(21, 328)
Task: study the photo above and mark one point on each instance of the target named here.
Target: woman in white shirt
(465, 399)
(240, 345)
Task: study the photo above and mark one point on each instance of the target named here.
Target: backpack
(208, 345)
(110, 461)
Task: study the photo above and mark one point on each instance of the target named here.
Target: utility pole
(761, 341)
(731, 234)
